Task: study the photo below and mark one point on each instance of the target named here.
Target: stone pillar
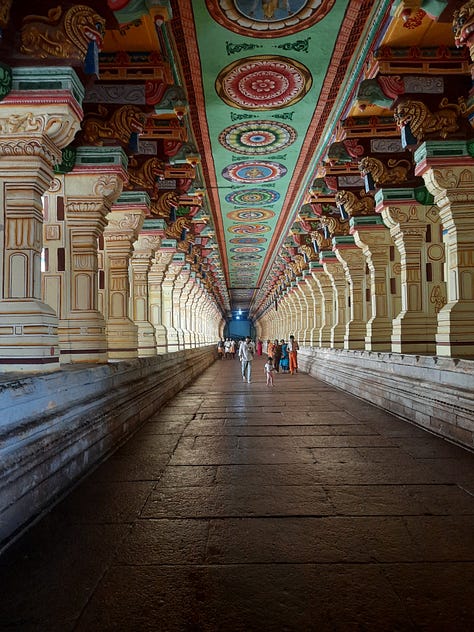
(143, 252)
(75, 209)
(124, 223)
(36, 123)
(167, 296)
(323, 283)
(179, 315)
(373, 238)
(415, 231)
(155, 279)
(333, 268)
(314, 299)
(448, 170)
(354, 266)
(185, 300)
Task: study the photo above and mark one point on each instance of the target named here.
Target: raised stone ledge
(433, 392)
(55, 427)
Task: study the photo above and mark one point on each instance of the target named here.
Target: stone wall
(55, 427)
(435, 393)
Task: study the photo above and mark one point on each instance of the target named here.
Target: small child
(268, 370)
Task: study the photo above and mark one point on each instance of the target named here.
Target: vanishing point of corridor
(241, 507)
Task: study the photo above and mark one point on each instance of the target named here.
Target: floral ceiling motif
(257, 137)
(251, 215)
(263, 82)
(250, 197)
(268, 18)
(254, 171)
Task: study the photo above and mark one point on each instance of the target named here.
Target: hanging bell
(172, 214)
(326, 232)
(182, 237)
(315, 246)
(369, 183)
(344, 214)
(133, 143)
(408, 140)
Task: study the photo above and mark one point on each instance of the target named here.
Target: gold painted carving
(145, 177)
(5, 6)
(121, 124)
(463, 23)
(64, 34)
(161, 207)
(174, 231)
(438, 297)
(354, 206)
(423, 122)
(395, 172)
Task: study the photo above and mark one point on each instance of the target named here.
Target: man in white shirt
(246, 354)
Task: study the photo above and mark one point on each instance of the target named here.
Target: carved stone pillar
(448, 170)
(415, 229)
(155, 279)
(124, 223)
(354, 266)
(191, 306)
(181, 291)
(168, 305)
(143, 253)
(333, 268)
(75, 209)
(34, 126)
(323, 283)
(314, 298)
(375, 241)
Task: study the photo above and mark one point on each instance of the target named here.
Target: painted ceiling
(264, 77)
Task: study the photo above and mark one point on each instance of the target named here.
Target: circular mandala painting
(257, 137)
(263, 82)
(246, 257)
(248, 240)
(254, 171)
(249, 229)
(245, 264)
(252, 197)
(251, 215)
(268, 18)
(245, 249)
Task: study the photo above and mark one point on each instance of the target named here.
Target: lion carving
(353, 205)
(395, 172)
(63, 34)
(423, 122)
(124, 121)
(144, 177)
(463, 23)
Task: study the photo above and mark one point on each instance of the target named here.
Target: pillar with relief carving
(144, 249)
(124, 223)
(447, 168)
(415, 230)
(374, 239)
(36, 123)
(324, 286)
(167, 305)
(354, 266)
(156, 275)
(75, 210)
(334, 270)
(182, 287)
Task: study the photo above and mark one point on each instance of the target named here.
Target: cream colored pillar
(334, 270)
(448, 170)
(168, 304)
(354, 266)
(191, 307)
(301, 289)
(415, 229)
(324, 285)
(124, 223)
(314, 299)
(373, 238)
(35, 124)
(184, 306)
(180, 292)
(155, 279)
(143, 253)
(75, 210)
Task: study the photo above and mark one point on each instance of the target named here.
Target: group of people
(281, 355)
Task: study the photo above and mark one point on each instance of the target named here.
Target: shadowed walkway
(242, 507)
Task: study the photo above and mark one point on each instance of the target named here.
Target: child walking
(269, 370)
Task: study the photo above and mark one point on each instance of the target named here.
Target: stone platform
(241, 507)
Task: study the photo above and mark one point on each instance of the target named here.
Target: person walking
(276, 355)
(293, 347)
(246, 354)
(268, 370)
(220, 348)
(285, 360)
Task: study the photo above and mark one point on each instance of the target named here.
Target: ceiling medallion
(251, 214)
(245, 264)
(248, 240)
(249, 229)
(250, 197)
(257, 137)
(246, 257)
(263, 82)
(245, 249)
(268, 18)
(254, 171)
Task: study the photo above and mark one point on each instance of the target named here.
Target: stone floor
(241, 507)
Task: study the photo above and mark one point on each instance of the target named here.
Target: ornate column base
(161, 339)
(122, 339)
(83, 340)
(172, 338)
(146, 339)
(454, 338)
(28, 336)
(379, 335)
(414, 335)
(355, 335)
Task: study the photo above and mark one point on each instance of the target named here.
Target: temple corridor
(244, 507)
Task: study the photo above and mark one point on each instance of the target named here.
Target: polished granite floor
(241, 507)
